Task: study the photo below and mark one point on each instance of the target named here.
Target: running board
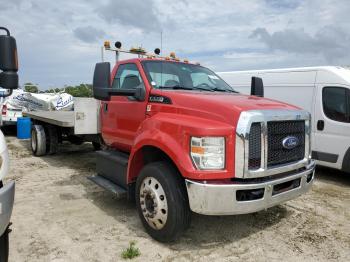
(118, 191)
(112, 165)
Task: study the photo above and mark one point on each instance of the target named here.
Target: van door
(331, 125)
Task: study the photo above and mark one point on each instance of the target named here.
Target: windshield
(171, 75)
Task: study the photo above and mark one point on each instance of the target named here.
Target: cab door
(331, 125)
(122, 115)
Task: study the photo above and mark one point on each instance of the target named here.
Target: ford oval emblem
(290, 142)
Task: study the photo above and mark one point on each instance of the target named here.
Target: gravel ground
(59, 215)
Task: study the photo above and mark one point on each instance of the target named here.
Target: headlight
(208, 152)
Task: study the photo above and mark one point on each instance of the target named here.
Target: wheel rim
(34, 141)
(153, 202)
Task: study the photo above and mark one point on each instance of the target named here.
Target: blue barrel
(24, 126)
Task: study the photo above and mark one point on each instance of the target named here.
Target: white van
(323, 91)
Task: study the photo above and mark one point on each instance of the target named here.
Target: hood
(218, 105)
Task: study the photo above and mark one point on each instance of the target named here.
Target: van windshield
(173, 75)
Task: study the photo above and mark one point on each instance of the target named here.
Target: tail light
(4, 110)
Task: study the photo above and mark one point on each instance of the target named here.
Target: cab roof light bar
(140, 51)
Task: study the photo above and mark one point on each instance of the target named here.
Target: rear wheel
(4, 246)
(162, 201)
(38, 140)
(53, 140)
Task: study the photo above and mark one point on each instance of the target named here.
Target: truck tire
(38, 140)
(4, 246)
(53, 140)
(162, 201)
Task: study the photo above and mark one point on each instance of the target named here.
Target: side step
(118, 191)
(113, 166)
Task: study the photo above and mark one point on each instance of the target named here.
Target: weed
(131, 251)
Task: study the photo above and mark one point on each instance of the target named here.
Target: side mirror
(8, 61)
(9, 80)
(101, 86)
(102, 81)
(257, 87)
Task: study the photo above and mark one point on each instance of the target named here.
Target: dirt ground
(59, 215)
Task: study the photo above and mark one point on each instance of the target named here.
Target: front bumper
(221, 199)
(7, 195)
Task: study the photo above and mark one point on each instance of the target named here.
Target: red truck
(181, 139)
(177, 138)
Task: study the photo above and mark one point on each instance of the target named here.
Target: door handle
(105, 107)
(320, 125)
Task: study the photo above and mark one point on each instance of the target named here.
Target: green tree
(82, 90)
(32, 88)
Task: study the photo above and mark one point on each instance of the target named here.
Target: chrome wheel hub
(153, 203)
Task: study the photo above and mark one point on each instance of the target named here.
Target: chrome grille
(255, 146)
(273, 125)
(276, 132)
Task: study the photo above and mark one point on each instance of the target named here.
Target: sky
(59, 42)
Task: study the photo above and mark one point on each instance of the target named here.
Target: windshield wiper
(223, 90)
(176, 87)
(198, 88)
(185, 88)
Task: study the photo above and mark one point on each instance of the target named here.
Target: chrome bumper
(7, 195)
(220, 199)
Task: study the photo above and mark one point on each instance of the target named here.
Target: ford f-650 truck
(177, 138)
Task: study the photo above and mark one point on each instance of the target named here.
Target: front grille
(277, 131)
(255, 146)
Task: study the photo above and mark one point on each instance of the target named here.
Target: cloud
(283, 4)
(139, 14)
(331, 42)
(89, 34)
(59, 41)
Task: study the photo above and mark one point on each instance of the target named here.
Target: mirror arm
(121, 92)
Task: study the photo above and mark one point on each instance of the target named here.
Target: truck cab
(179, 139)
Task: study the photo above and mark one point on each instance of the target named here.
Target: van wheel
(162, 201)
(53, 140)
(4, 246)
(38, 140)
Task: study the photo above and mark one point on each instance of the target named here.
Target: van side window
(127, 77)
(336, 103)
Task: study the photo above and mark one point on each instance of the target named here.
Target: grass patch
(131, 252)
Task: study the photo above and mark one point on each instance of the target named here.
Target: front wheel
(162, 201)
(4, 246)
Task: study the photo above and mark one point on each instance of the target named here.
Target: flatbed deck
(58, 118)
